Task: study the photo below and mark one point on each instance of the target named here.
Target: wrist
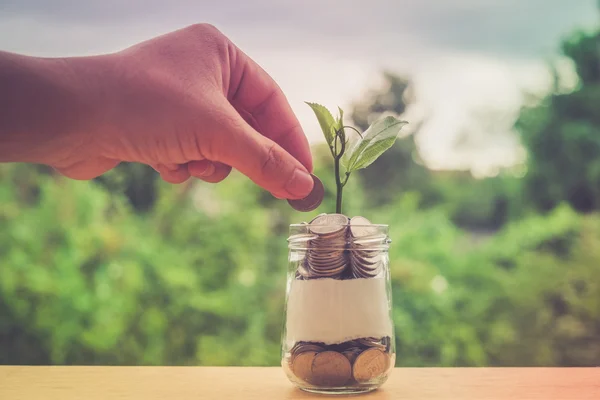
(91, 84)
(48, 107)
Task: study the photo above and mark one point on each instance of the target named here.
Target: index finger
(256, 95)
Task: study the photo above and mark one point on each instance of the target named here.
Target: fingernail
(300, 184)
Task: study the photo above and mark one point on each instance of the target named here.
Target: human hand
(188, 103)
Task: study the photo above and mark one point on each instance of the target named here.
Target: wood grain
(250, 383)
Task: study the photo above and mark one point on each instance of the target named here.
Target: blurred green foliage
(129, 270)
(562, 133)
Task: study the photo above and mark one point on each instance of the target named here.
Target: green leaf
(326, 121)
(379, 137)
(340, 120)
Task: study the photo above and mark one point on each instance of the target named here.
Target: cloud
(464, 55)
(506, 27)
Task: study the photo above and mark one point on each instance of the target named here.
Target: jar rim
(357, 226)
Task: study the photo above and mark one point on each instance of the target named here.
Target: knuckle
(204, 29)
(209, 35)
(214, 45)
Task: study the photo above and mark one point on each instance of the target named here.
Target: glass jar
(338, 334)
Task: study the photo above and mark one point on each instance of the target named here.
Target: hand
(188, 103)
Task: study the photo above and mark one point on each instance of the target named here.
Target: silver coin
(328, 269)
(365, 264)
(327, 256)
(360, 226)
(324, 264)
(329, 224)
(370, 254)
(324, 256)
(369, 241)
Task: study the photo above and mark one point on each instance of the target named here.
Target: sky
(469, 60)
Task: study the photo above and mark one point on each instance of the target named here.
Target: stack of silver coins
(365, 257)
(327, 256)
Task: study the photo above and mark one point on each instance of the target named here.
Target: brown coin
(313, 200)
(301, 347)
(370, 364)
(302, 365)
(331, 368)
(352, 353)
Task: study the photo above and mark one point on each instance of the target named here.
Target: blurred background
(492, 194)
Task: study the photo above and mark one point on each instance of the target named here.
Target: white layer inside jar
(334, 311)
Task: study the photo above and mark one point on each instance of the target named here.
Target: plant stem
(340, 187)
(338, 180)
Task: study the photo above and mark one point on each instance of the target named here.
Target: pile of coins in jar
(338, 247)
(356, 361)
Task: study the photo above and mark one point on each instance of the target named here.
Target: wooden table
(248, 383)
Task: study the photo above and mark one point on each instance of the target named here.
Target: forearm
(42, 106)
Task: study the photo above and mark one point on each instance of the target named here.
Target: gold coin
(370, 364)
(331, 368)
(302, 365)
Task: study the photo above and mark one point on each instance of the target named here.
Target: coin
(365, 261)
(351, 353)
(328, 224)
(326, 256)
(365, 248)
(301, 347)
(331, 368)
(360, 226)
(302, 365)
(339, 247)
(370, 364)
(380, 344)
(312, 200)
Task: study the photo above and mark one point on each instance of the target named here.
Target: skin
(188, 103)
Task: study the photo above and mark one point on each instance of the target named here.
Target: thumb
(259, 158)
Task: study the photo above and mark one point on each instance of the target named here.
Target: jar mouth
(338, 237)
(306, 225)
(366, 238)
(382, 248)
